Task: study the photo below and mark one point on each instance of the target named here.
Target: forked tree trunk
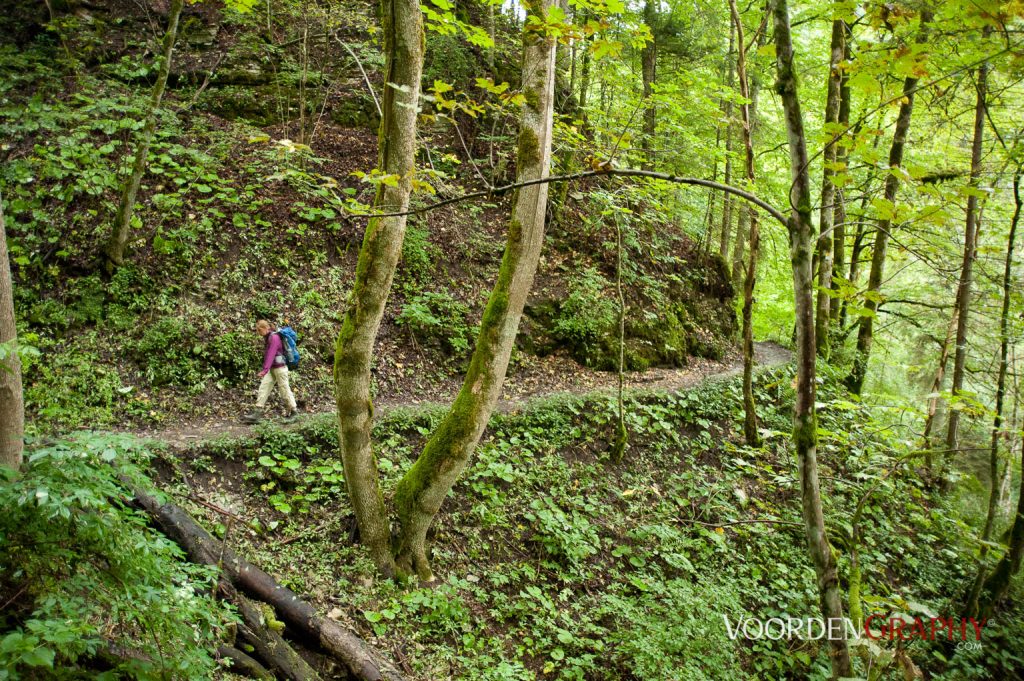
(828, 189)
(805, 435)
(963, 292)
(746, 116)
(933, 400)
(421, 491)
(375, 269)
(12, 404)
(997, 421)
(116, 246)
(865, 331)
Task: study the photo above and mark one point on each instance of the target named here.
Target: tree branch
(619, 172)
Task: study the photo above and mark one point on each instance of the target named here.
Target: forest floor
(536, 378)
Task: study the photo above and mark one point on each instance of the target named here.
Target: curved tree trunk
(805, 435)
(114, 254)
(963, 292)
(865, 331)
(12, 403)
(421, 491)
(828, 189)
(378, 260)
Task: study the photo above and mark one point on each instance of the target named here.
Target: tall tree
(997, 584)
(997, 420)
(422, 490)
(375, 269)
(963, 292)
(872, 297)
(828, 187)
(116, 246)
(842, 151)
(750, 278)
(805, 426)
(649, 74)
(12, 405)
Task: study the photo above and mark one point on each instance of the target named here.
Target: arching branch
(618, 172)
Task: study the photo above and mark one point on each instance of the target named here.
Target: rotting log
(362, 661)
(243, 665)
(268, 645)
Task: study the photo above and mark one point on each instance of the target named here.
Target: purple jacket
(273, 354)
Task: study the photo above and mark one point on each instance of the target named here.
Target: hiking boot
(291, 416)
(252, 417)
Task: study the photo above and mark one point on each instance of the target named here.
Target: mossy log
(363, 662)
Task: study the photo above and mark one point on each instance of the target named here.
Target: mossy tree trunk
(826, 220)
(749, 281)
(997, 421)
(118, 243)
(872, 297)
(12, 404)
(963, 292)
(375, 270)
(805, 436)
(421, 491)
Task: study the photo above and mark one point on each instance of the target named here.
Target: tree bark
(865, 331)
(963, 293)
(828, 188)
(116, 246)
(749, 282)
(933, 401)
(727, 202)
(244, 665)
(12, 401)
(997, 421)
(421, 491)
(805, 436)
(378, 259)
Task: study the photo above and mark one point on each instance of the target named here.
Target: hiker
(275, 371)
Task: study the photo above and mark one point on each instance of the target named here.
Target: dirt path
(534, 381)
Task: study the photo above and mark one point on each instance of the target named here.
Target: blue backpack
(289, 341)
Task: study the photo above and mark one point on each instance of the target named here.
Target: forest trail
(768, 354)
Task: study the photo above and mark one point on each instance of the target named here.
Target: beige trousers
(279, 377)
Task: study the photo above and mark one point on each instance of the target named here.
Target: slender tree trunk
(997, 584)
(828, 188)
(855, 381)
(805, 427)
(963, 293)
(749, 282)
(378, 259)
(997, 421)
(422, 490)
(727, 202)
(116, 246)
(933, 400)
(842, 151)
(649, 73)
(12, 404)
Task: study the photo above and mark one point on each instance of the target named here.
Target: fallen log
(267, 643)
(362, 661)
(243, 665)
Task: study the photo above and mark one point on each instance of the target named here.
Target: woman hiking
(275, 372)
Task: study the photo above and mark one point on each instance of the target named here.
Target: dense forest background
(753, 356)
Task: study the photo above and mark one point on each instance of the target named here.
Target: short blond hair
(263, 324)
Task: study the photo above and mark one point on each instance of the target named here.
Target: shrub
(82, 573)
(587, 315)
(435, 317)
